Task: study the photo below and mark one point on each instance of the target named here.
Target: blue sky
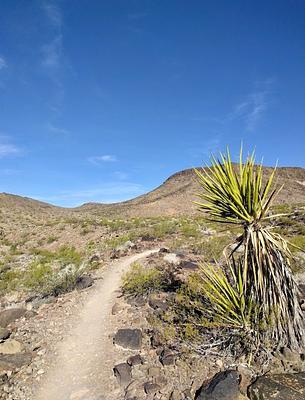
(103, 100)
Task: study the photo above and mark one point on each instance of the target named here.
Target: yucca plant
(258, 291)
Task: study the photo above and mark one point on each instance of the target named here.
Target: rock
(137, 301)
(10, 315)
(151, 388)
(4, 333)
(129, 338)
(223, 386)
(135, 360)
(123, 248)
(14, 361)
(134, 391)
(84, 282)
(164, 250)
(156, 303)
(172, 258)
(278, 387)
(11, 346)
(167, 357)
(117, 308)
(30, 314)
(176, 395)
(123, 373)
(188, 266)
(95, 258)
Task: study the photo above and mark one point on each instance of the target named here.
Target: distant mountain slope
(173, 197)
(177, 193)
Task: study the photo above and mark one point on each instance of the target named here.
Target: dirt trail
(83, 361)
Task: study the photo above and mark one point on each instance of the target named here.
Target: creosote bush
(140, 280)
(256, 291)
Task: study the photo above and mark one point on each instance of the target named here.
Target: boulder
(123, 373)
(278, 387)
(11, 346)
(129, 338)
(11, 362)
(10, 315)
(223, 386)
(4, 333)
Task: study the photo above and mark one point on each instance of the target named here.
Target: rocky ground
(149, 361)
(144, 366)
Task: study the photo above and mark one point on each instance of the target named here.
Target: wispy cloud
(205, 147)
(3, 63)
(104, 193)
(52, 53)
(120, 175)
(8, 149)
(97, 160)
(53, 13)
(57, 129)
(252, 108)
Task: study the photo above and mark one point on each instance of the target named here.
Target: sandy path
(83, 361)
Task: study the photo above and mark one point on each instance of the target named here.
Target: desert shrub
(37, 275)
(51, 239)
(297, 243)
(211, 248)
(164, 228)
(189, 229)
(141, 280)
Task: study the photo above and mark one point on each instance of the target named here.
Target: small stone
(40, 372)
(123, 373)
(151, 388)
(135, 360)
(117, 308)
(167, 357)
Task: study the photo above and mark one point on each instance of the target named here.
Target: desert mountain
(173, 197)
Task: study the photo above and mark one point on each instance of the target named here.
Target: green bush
(141, 280)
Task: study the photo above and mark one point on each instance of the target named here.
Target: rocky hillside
(176, 194)
(174, 197)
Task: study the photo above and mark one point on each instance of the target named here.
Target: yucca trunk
(268, 281)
